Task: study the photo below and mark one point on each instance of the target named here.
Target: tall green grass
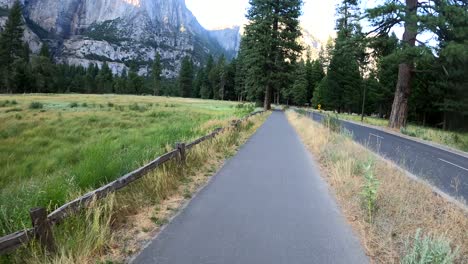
(46, 158)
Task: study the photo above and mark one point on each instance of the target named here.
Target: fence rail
(42, 223)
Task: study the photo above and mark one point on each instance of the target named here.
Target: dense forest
(371, 72)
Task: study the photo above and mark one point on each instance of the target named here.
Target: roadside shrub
(333, 123)
(74, 105)
(8, 103)
(369, 190)
(428, 250)
(36, 105)
(301, 111)
(109, 104)
(406, 131)
(245, 108)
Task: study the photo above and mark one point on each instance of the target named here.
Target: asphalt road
(443, 169)
(268, 204)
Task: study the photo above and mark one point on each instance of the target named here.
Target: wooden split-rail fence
(42, 222)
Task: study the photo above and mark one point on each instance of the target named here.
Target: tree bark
(399, 115)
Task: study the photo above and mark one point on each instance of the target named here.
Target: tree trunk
(363, 105)
(267, 104)
(399, 115)
(424, 118)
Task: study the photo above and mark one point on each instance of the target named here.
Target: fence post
(181, 148)
(42, 228)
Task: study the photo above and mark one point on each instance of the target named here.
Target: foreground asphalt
(268, 205)
(445, 170)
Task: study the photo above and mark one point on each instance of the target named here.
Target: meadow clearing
(55, 147)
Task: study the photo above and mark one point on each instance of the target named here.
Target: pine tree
(206, 90)
(315, 74)
(45, 52)
(11, 45)
(186, 77)
(222, 77)
(343, 90)
(42, 74)
(156, 75)
(384, 21)
(385, 48)
(230, 87)
(213, 78)
(120, 83)
(300, 87)
(452, 64)
(104, 79)
(135, 83)
(270, 45)
(198, 83)
(26, 52)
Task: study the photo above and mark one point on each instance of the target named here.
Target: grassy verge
(457, 140)
(55, 146)
(113, 229)
(398, 219)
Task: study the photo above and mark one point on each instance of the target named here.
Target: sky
(318, 15)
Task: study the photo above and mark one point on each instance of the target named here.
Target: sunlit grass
(401, 207)
(79, 142)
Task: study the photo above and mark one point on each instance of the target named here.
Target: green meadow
(55, 147)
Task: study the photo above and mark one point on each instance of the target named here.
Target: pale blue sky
(318, 17)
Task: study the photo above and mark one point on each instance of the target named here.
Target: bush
(84, 105)
(136, 107)
(8, 103)
(428, 250)
(244, 109)
(109, 104)
(333, 123)
(36, 105)
(74, 105)
(301, 111)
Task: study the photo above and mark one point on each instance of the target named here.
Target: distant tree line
(375, 73)
(24, 72)
(357, 72)
(363, 72)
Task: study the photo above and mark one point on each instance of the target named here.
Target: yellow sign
(319, 107)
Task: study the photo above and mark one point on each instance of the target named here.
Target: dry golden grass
(114, 229)
(403, 205)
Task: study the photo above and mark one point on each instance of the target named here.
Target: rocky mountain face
(228, 38)
(311, 44)
(121, 32)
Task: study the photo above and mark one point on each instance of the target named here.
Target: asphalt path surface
(443, 169)
(268, 204)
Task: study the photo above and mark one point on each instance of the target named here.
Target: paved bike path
(268, 205)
